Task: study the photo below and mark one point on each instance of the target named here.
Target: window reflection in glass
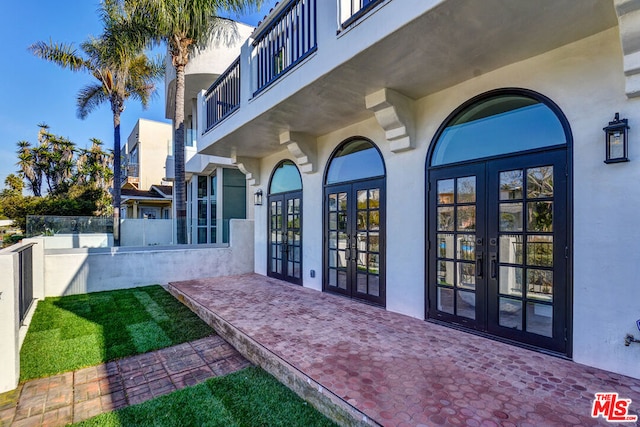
(362, 199)
(540, 319)
(445, 219)
(540, 251)
(466, 304)
(285, 178)
(540, 216)
(511, 282)
(467, 189)
(374, 198)
(374, 220)
(540, 182)
(374, 285)
(445, 273)
(445, 300)
(466, 218)
(374, 242)
(357, 159)
(445, 245)
(511, 249)
(497, 125)
(445, 192)
(510, 315)
(511, 184)
(466, 248)
(510, 217)
(466, 275)
(540, 284)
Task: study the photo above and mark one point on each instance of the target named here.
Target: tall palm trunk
(179, 196)
(116, 174)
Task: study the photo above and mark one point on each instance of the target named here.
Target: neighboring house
(145, 192)
(445, 160)
(216, 189)
(154, 203)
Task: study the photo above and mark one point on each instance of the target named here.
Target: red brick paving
(402, 371)
(76, 396)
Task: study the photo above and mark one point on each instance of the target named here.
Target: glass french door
(354, 240)
(498, 248)
(285, 237)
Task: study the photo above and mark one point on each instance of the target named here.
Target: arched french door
(498, 203)
(354, 218)
(285, 223)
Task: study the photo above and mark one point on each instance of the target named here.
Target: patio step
(325, 401)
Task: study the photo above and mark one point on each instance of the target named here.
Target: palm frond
(89, 98)
(59, 53)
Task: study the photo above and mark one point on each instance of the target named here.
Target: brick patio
(76, 396)
(395, 370)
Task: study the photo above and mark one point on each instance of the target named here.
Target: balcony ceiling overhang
(456, 41)
(193, 84)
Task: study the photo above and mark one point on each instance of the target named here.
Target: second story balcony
(130, 175)
(310, 66)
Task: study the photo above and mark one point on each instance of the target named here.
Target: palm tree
(183, 25)
(29, 167)
(122, 70)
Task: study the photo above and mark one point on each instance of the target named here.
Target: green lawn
(249, 398)
(72, 332)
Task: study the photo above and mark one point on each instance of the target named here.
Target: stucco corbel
(303, 147)
(250, 167)
(394, 113)
(628, 12)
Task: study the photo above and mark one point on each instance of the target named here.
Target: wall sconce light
(616, 140)
(257, 198)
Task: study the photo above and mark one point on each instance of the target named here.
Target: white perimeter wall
(586, 80)
(78, 271)
(59, 272)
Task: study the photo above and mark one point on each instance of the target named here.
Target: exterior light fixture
(616, 140)
(257, 198)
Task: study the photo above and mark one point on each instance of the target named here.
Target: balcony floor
(392, 369)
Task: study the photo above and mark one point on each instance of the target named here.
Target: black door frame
(286, 275)
(379, 182)
(486, 230)
(284, 196)
(351, 188)
(568, 147)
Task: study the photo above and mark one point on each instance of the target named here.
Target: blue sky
(35, 91)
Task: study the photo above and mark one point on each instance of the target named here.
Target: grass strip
(250, 397)
(72, 332)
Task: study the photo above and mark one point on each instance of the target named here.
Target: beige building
(143, 171)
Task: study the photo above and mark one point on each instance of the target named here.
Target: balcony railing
(130, 173)
(223, 97)
(287, 40)
(25, 279)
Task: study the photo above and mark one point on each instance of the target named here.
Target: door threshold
(500, 339)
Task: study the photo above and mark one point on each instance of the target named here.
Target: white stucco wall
(586, 80)
(77, 271)
(9, 322)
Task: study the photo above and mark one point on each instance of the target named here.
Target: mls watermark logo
(612, 408)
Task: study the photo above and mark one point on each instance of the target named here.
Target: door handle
(479, 265)
(494, 265)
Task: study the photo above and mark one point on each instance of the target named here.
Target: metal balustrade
(25, 279)
(287, 40)
(223, 97)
